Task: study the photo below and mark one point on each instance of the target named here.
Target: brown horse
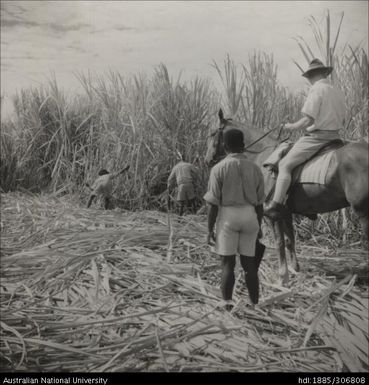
(346, 185)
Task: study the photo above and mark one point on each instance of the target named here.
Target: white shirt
(326, 104)
(103, 185)
(235, 181)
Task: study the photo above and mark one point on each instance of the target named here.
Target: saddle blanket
(315, 170)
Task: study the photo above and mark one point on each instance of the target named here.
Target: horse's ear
(221, 115)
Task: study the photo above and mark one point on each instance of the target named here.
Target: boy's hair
(103, 172)
(233, 140)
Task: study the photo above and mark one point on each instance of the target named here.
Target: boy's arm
(212, 217)
(259, 213)
(120, 172)
(261, 198)
(195, 173)
(213, 197)
(260, 191)
(125, 169)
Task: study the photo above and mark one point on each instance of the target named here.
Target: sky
(40, 38)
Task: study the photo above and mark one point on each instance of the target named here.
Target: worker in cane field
(235, 199)
(103, 186)
(185, 175)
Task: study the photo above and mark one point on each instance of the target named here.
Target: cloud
(17, 22)
(124, 28)
(53, 27)
(21, 57)
(93, 31)
(5, 65)
(121, 28)
(76, 48)
(12, 9)
(14, 16)
(65, 28)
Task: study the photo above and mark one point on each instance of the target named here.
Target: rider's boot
(274, 210)
(259, 253)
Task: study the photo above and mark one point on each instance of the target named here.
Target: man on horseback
(323, 117)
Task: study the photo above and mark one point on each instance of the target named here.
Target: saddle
(314, 170)
(272, 162)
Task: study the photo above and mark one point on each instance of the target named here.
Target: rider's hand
(211, 238)
(310, 128)
(289, 126)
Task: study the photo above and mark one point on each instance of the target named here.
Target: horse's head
(215, 150)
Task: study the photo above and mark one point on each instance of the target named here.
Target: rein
(258, 140)
(262, 137)
(260, 151)
(264, 148)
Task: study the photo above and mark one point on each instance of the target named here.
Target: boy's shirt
(103, 185)
(235, 181)
(182, 172)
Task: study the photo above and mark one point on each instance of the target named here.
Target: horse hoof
(282, 282)
(296, 267)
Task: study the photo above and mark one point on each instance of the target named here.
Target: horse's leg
(362, 212)
(181, 208)
(355, 182)
(290, 241)
(364, 221)
(360, 207)
(279, 239)
(193, 206)
(92, 197)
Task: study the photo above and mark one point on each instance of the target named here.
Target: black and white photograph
(184, 189)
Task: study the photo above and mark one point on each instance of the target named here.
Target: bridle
(221, 129)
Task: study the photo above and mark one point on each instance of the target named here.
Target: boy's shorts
(236, 230)
(185, 192)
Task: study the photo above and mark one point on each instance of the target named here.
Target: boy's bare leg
(228, 263)
(107, 203)
(193, 205)
(249, 265)
(181, 207)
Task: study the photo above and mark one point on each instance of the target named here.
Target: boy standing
(235, 199)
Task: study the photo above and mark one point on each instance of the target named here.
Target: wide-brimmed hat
(315, 65)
